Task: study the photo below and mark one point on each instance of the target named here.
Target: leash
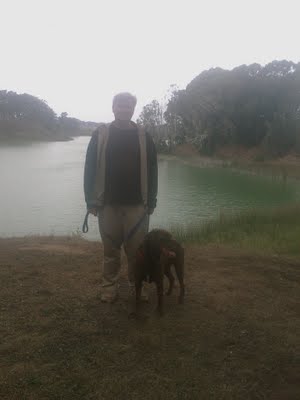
(132, 231)
(85, 226)
(135, 227)
(85, 229)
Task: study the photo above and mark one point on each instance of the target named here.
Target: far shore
(237, 158)
(24, 139)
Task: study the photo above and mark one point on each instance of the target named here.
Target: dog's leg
(179, 268)
(170, 276)
(138, 290)
(160, 294)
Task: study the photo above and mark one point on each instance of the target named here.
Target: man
(120, 185)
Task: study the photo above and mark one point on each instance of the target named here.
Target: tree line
(27, 117)
(249, 105)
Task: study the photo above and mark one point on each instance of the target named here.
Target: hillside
(24, 117)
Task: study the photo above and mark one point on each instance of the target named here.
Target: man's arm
(90, 170)
(152, 172)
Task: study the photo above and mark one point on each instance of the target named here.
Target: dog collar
(168, 253)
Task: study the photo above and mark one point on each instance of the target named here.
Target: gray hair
(124, 96)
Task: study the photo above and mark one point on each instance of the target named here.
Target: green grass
(276, 230)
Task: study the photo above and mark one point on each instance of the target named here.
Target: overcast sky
(76, 54)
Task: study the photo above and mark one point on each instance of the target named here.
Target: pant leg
(132, 214)
(111, 230)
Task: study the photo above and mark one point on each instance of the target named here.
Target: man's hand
(93, 210)
(150, 210)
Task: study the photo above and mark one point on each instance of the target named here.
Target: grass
(236, 337)
(275, 230)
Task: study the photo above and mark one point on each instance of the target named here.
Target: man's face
(123, 110)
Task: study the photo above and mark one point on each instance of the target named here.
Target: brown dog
(155, 256)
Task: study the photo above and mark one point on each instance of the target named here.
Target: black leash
(135, 227)
(85, 226)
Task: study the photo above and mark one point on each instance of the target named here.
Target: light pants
(115, 222)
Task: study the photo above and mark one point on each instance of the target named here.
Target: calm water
(42, 191)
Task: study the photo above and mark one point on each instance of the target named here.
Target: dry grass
(236, 337)
(273, 231)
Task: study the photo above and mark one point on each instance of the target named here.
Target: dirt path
(236, 337)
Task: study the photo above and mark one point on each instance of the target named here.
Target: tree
(152, 118)
(151, 115)
(63, 115)
(26, 116)
(241, 106)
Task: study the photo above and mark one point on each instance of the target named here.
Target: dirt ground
(236, 337)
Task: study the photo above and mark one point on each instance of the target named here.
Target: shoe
(109, 296)
(131, 290)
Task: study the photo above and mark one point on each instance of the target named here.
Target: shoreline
(27, 141)
(273, 231)
(285, 167)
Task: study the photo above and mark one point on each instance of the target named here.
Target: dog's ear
(164, 251)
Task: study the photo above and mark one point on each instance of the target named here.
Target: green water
(42, 191)
(190, 194)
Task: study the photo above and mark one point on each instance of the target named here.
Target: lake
(42, 191)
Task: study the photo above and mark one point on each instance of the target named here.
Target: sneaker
(108, 297)
(131, 290)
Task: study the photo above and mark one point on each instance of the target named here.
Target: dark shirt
(122, 171)
(122, 174)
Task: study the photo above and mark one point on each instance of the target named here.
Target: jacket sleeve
(90, 169)
(152, 171)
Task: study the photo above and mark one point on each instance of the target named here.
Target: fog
(77, 54)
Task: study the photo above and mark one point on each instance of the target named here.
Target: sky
(77, 54)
